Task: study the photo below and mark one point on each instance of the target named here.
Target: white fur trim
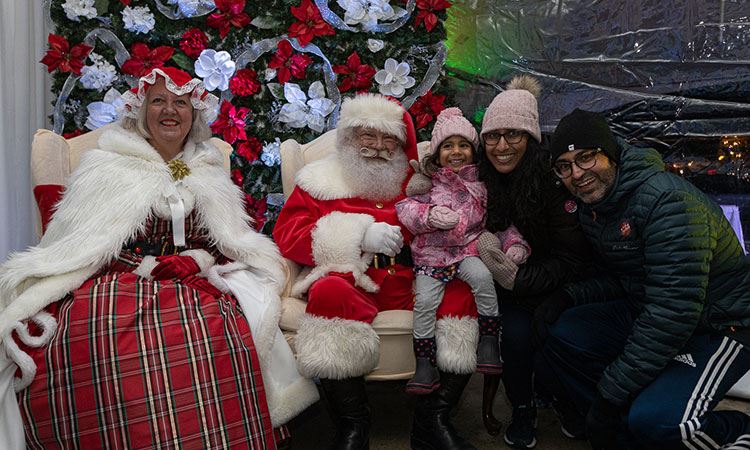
(286, 404)
(335, 348)
(457, 340)
(337, 247)
(46, 322)
(373, 111)
(215, 274)
(147, 265)
(204, 259)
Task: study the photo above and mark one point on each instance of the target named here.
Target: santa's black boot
(488, 350)
(347, 400)
(426, 378)
(432, 429)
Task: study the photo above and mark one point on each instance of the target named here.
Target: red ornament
(256, 208)
(354, 75)
(426, 108)
(230, 123)
(74, 133)
(287, 64)
(231, 13)
(426, 14)
(310, 23)
(61, 56)
(125, 2)
(143, 59)
(193, 42)
(249, 149)
(244, 83)
(237, 177)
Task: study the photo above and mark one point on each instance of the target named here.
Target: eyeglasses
(371, 138)
(511, 137)
(584, 160)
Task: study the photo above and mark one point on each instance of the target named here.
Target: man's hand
(548, 312)
(602, 424)
(503, 269)
(419, 183)
(381, 237)
(442, 218)
(174, 266)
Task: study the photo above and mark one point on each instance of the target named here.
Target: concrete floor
(392, 410)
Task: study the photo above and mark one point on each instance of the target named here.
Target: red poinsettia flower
(74, 133)
(237, 177)
(244, 83)
(249, 149)
(256, 208)
(426, 108)
(354, 75)
(143, 59)
(193, 42)
(310, 25)
(230, 123)
(426, 14)
(61, 56)
(287, 64)
(231, 13)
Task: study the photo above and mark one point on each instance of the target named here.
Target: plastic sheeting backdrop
(672, 74)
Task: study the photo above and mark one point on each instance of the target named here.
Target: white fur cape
(106, 202)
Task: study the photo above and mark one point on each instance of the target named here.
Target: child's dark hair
(434, 157)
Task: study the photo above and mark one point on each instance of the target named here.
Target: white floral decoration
(302, 112)
(215, 68)
(100, 75)
(271, 153)
(369, 12)
(375, 45)
(106, 111)
(190, 8)
(269, 74)
(394, 78)
(75, 9)
(138, 19)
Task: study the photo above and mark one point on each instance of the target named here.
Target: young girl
(446, 223)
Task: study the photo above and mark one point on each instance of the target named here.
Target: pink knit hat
(515, 108)
(451, 122)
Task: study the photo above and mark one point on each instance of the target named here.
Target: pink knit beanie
(515, 108)
(451, 122)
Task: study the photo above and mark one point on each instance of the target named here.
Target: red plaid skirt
(147, 364)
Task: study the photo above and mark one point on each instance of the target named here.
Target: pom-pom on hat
(515, 108)
(584, 130)
(177, 82)
(451, 122)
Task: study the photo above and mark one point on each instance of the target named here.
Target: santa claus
(340, 222)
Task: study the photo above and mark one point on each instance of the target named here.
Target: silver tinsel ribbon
(337, 22)
(121, 55)
(329, 77)
(433, 72)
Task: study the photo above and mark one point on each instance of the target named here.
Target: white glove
(381, 237)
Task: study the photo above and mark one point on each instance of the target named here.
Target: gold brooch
(179, 169)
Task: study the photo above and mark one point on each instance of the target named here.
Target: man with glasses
(660, 334)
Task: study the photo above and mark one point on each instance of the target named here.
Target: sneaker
(521, 431)
(572, 423)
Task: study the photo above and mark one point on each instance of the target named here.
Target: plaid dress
(136, 363)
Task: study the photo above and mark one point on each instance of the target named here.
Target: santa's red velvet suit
(322, 226)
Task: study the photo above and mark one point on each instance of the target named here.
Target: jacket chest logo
(570, 206)
(625, 228)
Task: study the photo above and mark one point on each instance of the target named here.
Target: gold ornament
(179, 169)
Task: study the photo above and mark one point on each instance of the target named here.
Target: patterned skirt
(136, 363)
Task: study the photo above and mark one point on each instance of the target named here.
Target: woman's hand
(503, 269)
(175, 266)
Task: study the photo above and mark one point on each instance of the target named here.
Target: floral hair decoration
(177, 82)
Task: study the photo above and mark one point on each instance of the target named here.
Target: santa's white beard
(373, 178)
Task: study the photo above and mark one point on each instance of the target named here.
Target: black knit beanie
(584, 130)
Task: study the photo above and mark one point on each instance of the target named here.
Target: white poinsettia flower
(306, 110)
(98, 76)
(369, 13)
(191, 8)
(375, 45)
(394, 78)
(75, 9)
(138, 19)
(106, 111)
(215, 68)
(271, 153)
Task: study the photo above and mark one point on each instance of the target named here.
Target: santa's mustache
(373, 153)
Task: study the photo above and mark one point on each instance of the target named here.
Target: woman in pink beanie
(522, 191)
(446, 223)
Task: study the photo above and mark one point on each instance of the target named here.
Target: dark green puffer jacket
(667, 249)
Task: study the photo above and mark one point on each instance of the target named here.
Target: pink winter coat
(463, 193)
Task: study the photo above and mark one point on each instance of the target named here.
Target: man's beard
(372, 178)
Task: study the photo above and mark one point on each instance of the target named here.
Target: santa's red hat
(381, 113)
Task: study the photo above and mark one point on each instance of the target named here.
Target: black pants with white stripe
(676, 409)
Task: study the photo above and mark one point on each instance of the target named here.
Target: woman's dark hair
(517, 198)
